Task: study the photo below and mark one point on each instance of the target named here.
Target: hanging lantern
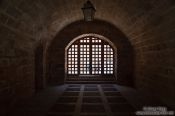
(88, 11)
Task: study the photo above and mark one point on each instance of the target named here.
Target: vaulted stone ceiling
(128, 15)
(133, 17)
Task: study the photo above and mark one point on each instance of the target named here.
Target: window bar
(102, 58)
(78, 53)
(90, 56)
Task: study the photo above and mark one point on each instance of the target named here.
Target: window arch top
(90, 56)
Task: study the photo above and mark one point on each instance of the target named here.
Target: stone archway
(56, 50)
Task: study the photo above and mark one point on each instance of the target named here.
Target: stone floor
(91, 100)
(84, 100)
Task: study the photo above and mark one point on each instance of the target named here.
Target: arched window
(90, 56)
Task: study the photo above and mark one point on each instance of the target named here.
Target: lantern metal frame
(88, 11)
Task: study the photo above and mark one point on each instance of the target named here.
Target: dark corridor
(39, 78)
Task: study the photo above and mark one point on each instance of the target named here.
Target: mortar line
(79, 102)
(105, 102)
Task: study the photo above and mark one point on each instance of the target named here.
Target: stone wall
(19, 29)
(150, 29)
(155, 53)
